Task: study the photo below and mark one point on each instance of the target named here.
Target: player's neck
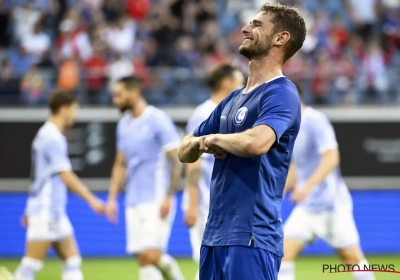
(261, 71)
(139, 108)
(58, 122)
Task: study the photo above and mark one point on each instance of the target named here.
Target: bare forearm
(117, 179)
(75, 185)
(250, 143)
(176, 170)
(193, 193)
(237, 144)
(325, 168)
(188, 152)
(192, 182)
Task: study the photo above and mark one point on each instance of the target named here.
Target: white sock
(28, 268)
(363, 275)
(149, 272)
(170, 268)
(72, 269)
(286, 271)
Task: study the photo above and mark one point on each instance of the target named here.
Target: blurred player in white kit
(324, 206)
(51, 173)
(223, 79)
(147, 162)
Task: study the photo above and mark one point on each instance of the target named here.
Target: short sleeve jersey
(246, 193)
(49, 157)
(145, 141)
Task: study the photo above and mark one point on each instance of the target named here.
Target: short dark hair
(132, 82)
(287, 19)
(60, 98)
(218, 74)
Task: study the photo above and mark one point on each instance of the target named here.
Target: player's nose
(246, 30)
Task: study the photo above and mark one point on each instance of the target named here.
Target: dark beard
(124, 109)
(255, 50)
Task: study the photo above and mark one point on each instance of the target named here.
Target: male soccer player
(251, 133)
(147, 161)
(222, 80)
(45, 217)
(324, 204)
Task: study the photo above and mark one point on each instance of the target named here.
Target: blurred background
(350, 57)
(349, 67)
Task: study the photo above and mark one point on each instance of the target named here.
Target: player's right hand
(24, 221)
(191, 216)
(97, 205)
(203, 147)
(112, 211)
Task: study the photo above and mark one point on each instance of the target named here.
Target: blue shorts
(238, 263)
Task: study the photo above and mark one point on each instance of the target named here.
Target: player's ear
(282, 38)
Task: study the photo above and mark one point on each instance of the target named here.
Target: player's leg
(39, 237)
(135, 220)
(247, 262)
(298, 231)
(345, 239)
(67, 249)
(32, 262)
(68, 252)
(157, 232)
(196, 237)
(292, 248)
(354, 255)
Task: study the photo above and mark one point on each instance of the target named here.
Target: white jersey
(48, 193)
(201, 113)
(315, 137)
(144, 141)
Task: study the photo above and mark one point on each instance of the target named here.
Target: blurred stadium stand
(351, 58)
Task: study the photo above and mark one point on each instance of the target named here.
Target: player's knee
(352, 259)
(351, 255)
(72, 269)
(292, 248)
(151, 257)
(142, 260)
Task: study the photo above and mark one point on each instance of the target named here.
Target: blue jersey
(246, 193)
(144, 141)
(316, 136)
(48, 193)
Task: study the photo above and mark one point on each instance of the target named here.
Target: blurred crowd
(351, 54)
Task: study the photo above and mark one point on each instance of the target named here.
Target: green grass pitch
(307, 268)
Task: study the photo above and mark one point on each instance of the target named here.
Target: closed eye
(256, 22)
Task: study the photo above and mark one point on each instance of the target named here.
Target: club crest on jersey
(240, 116)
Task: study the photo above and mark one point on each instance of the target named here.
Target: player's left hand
(165, 207)
(217, 151)
(299, 194)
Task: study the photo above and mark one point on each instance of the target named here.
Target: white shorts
(336, 227)
(46, 228)
(145, 229)
(196, 236)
